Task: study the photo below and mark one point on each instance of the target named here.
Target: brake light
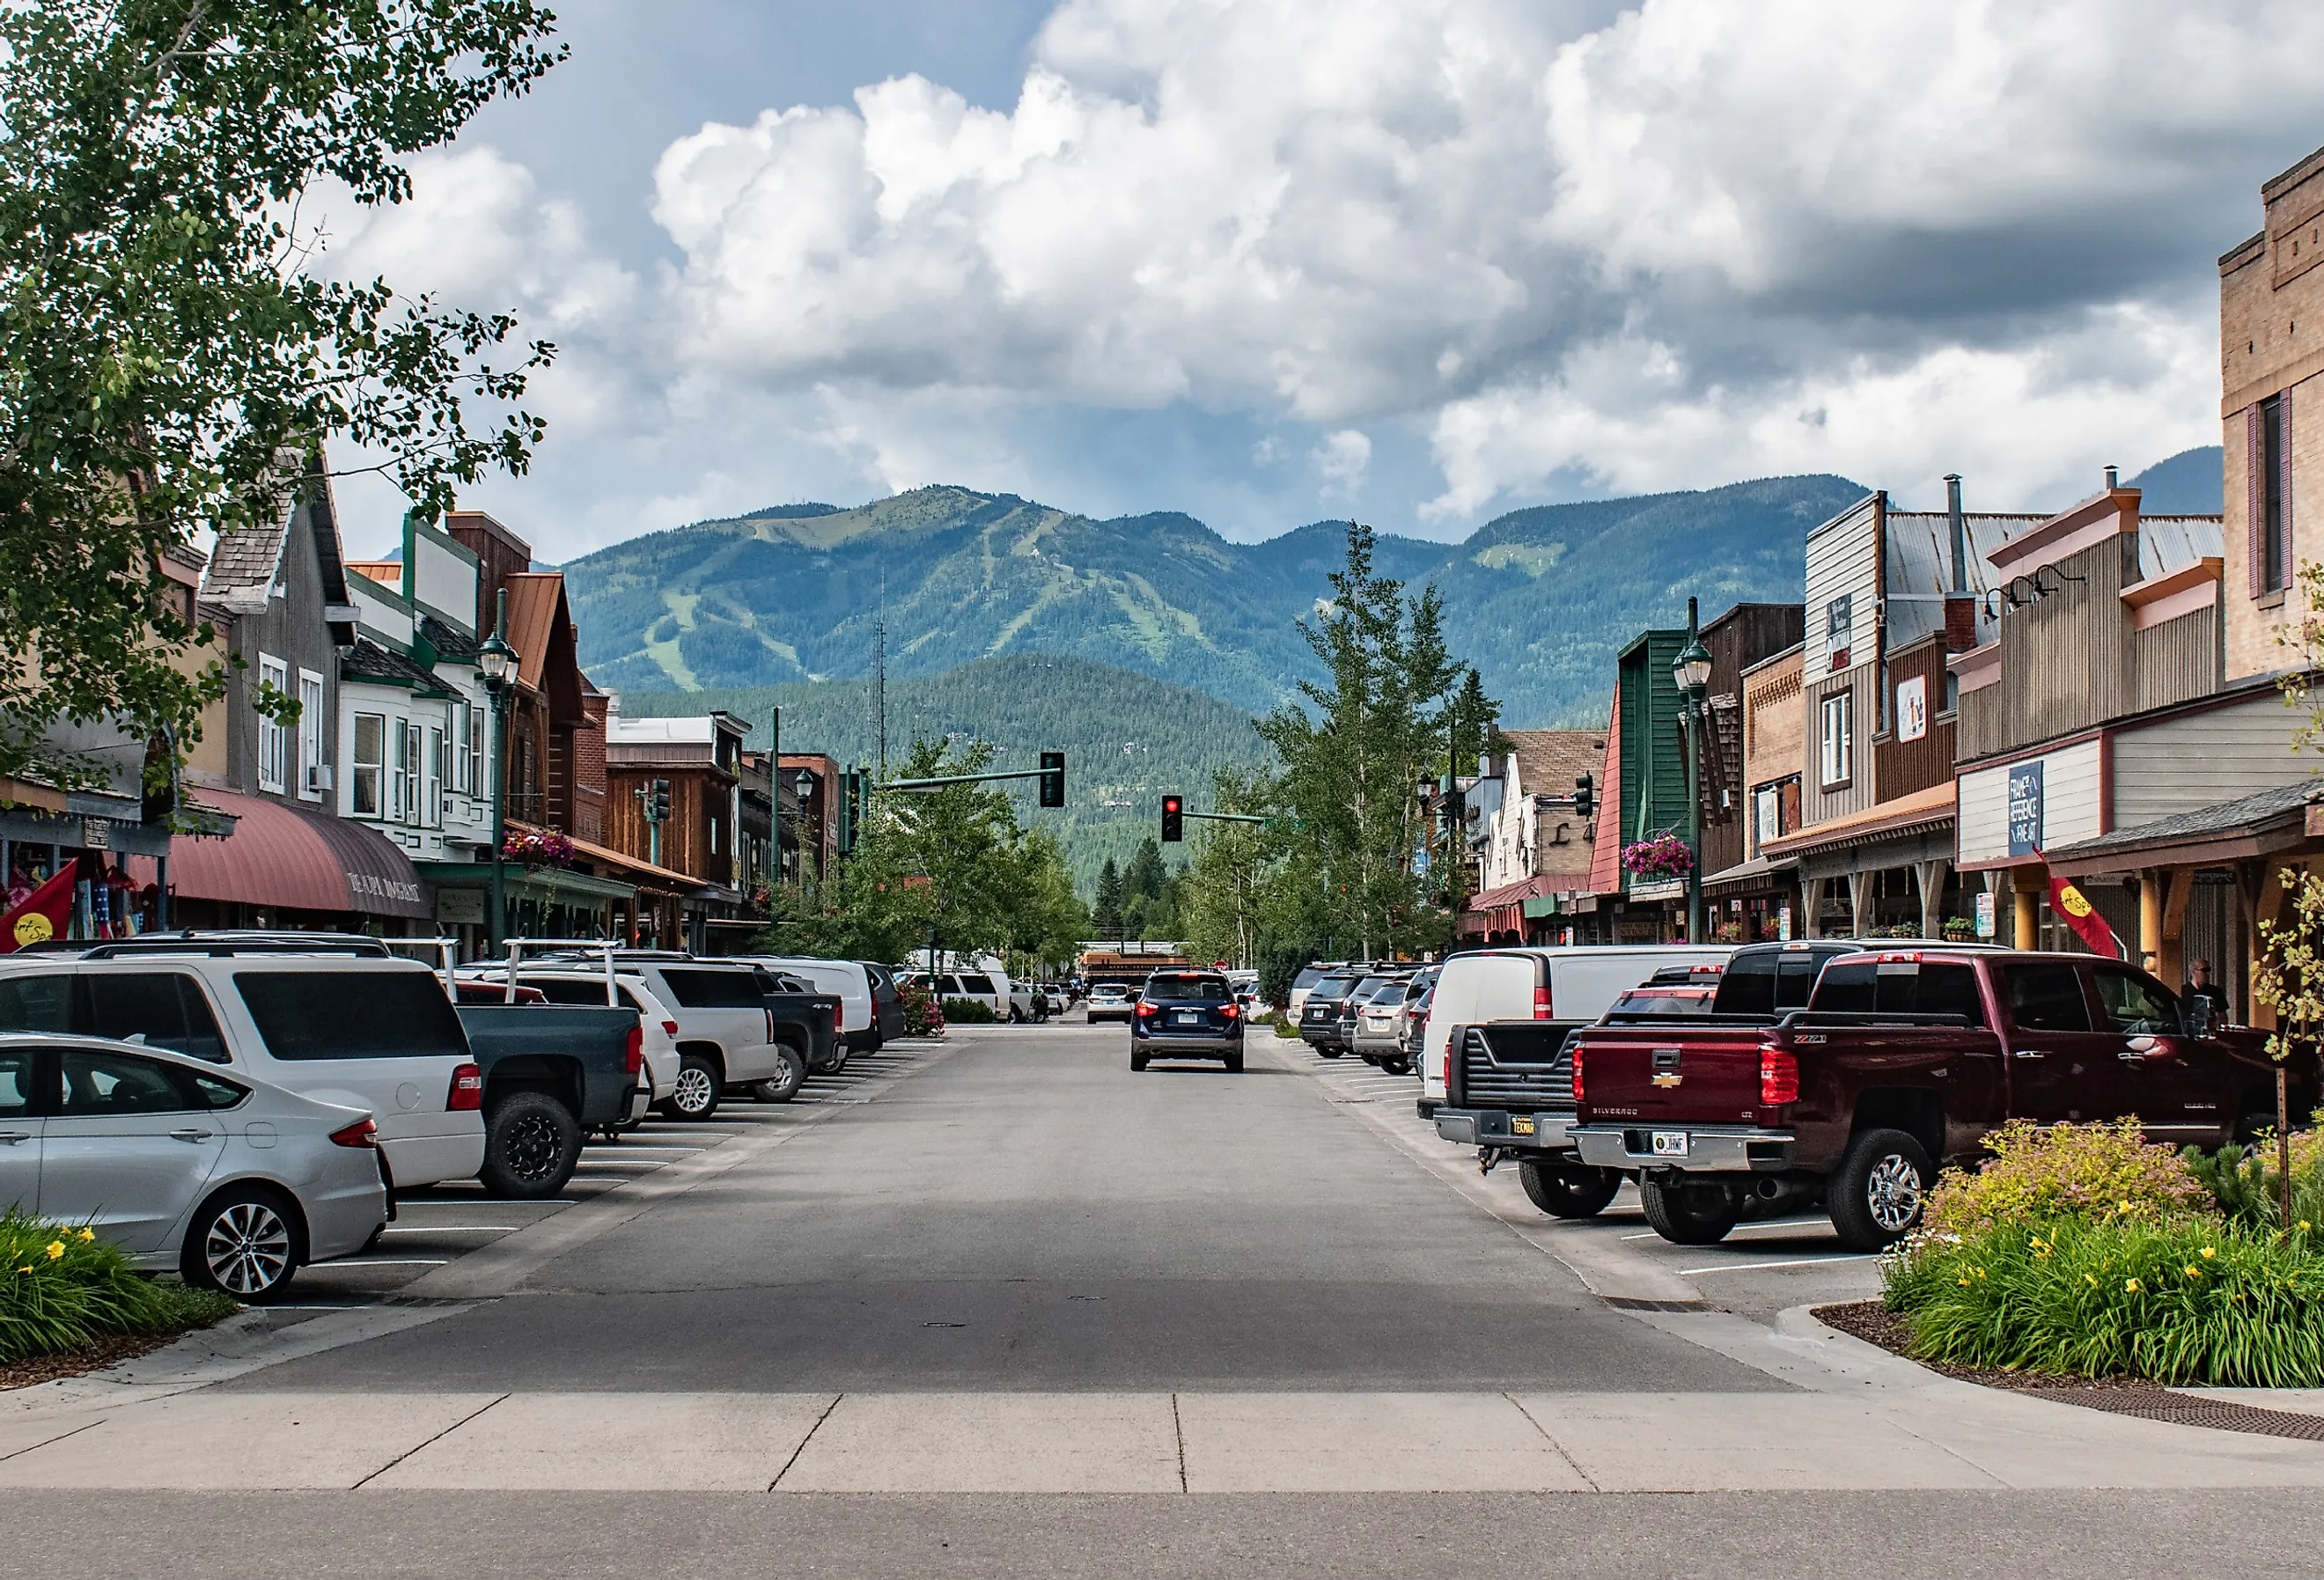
(838, 1018)
(1229, 1012)
(467, 1093)
(1779, 1077)
(633, 1054)
(1577, 1077)
(1541, 1003)
(1144, 1008)
(362, 1132)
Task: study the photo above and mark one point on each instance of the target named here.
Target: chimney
(1959, 531)
(2113, 479)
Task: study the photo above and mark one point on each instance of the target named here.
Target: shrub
(2179, 1299)
(969, 1012)
(2245, 1183)
(62, 1288)
(2067, 1171)
(922, 1016)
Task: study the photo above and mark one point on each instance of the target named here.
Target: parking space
(1761, 1268)
(439, 1225)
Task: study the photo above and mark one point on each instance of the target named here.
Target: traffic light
(660, 813)
(1585, 796)
(1174, 820)
(1053, 779)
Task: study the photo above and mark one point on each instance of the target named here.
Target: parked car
(1186, 1014)
(330, 1017)
(1375, 1016)
(1351, 1009)
(990, 988)
(1304, 982)
(887, 1003)
(1902, 1062)
(654, 1080)
(1110, 1001)
(231, 1182)
(850, 980)
(1319, 1011)
(1413, 1031)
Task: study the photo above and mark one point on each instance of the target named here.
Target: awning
(1503, 909)
(1760, 873)
(297, 860)
(1921, 811)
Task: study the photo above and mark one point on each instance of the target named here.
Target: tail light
(1541, 1003)
(1577, 1077)
(669, 1027)
(633, 1053)
(771, 1022)
(1779, 1077)
(1229, 1012)
(362, 1132)
(838, 1018)
(1144, 1008)
(467, 1093)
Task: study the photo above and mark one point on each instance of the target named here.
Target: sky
(1267, 262)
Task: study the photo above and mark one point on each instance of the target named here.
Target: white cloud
(1667, 248)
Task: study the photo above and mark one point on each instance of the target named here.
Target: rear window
(36, 1003)
(975, 982)
(697, 988)
(1332, 987)
(1868, 987)
(1164, 990)
(1768, 984)
(352, 1014)
(568, 990)
(1307, 979)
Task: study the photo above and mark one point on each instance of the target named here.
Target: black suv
(1186, 1014)
(1319, 1017)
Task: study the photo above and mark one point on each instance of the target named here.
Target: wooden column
(1859, 903)
(1931, 876)
(2150, 884)
(2172, 966)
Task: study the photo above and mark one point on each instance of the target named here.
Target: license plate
(1521, 1125)
(1189, 1018)
(1670, 1143)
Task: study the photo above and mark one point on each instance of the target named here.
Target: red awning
(296, 860)
(1502, 910)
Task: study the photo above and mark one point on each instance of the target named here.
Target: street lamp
(1691, 671)
(492, 661)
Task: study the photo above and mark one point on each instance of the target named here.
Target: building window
(273, 739)
(406, 770)
(370, 762)
(475, 737)
(431, 793)
(455, 765)
(310, 735)
(1837, 752)
(2271, 495)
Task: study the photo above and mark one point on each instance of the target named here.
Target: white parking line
(454, 1229)
(634, 1147)
(1746, 1267)
(389, 1261)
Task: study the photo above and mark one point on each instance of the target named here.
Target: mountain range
(1538, 599)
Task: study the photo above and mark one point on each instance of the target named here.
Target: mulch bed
(1875, 1324)
(109, 1351)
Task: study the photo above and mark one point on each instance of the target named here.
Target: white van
(1564, 983)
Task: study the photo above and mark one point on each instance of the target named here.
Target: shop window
(477, 784)
(370, 764)
(1836, 754)
(274, 740)
(311, 781)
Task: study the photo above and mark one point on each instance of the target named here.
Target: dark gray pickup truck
(553, 1075)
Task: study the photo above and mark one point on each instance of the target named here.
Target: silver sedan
(233, 1183)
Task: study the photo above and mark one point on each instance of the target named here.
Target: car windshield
(1332, 987)
(1164, 990)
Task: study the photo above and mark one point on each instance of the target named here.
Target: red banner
(2072, 905)
(41, 915)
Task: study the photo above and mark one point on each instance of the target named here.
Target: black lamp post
(492, 661)
(1692, 670)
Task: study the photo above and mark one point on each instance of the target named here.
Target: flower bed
(62, 1290)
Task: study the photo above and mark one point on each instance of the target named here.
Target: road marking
(454, 1229)
(619, 1147)
(389, 1261)
(1745, 1267)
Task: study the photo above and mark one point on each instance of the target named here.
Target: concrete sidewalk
(1943, 1436)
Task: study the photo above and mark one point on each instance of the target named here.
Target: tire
(1234, 1062)
(1882, 1185)
(1569, 1190)
(247, 1242)
(782, 1088)
(1399, 1065)
(1138, 1060)
(1691, 1212)
(693, 1096)
(1329, 1052)
(532, 1143)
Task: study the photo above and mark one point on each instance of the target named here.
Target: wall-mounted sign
(455, 907)
(1839, 631)
(1912, 708)
(2025, 809)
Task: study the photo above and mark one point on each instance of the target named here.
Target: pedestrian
(2200, 985)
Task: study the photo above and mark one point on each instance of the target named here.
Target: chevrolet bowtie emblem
(1669, 1078)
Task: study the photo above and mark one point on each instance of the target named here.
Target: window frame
(274, 740)
(1838, 705)
(312, 709)
(2274, 527)
(376, 769)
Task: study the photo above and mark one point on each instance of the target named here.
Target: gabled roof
(246, 561)
(533, 601)
(1548, 761)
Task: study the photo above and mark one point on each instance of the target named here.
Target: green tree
(168, 360)
(1230, 893)
(1105, 906)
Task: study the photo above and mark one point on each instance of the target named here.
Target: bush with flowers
(537, 848)
(62, 1288)
(923, 1016)
(2087, 1249)
(1662, 855)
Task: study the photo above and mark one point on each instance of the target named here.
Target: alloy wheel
(693, 1093)
(247, 1249)
(534, 1148)
(1892, 1192)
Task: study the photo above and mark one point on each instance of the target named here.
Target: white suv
(337, 1021)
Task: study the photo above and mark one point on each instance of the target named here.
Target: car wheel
(1881, 1186)
(694, 1093)
(1691, 1212)
(1329, 1052)
(247, 1242)
(1569, 1190)
(530, 1145)
(1397, 1066)
(1136, 1058)
(783, 1087)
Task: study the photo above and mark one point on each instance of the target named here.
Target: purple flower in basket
(1665, 856)
(546, 847)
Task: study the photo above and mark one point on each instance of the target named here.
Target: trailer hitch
(1490, 1157)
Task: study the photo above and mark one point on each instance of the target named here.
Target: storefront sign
(96, 832)
(2025, 809)
(460, 907)
(1912, 708)
(1838, 632)
(1669, 888)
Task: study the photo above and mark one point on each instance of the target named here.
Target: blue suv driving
(1186, 1014)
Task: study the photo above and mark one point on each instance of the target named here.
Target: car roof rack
(227, 943)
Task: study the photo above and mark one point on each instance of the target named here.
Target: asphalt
(1027, 1213)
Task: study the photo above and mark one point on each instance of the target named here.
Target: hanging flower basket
(545, 849)
(1665, 856)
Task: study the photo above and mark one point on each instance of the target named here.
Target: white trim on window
(274, 740)
(310, 734)
(369, 765)
(1836, 756)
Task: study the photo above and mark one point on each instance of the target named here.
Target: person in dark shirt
(2200, 985)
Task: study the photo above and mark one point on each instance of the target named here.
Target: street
(997, 1306)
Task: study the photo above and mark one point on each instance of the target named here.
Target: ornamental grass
(62, 1288)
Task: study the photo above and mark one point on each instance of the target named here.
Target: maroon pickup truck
(1902, 1062)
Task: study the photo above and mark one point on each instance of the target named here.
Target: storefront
(96, 834)
(276, 865)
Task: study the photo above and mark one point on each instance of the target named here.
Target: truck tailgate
(1681, 1072)
(1521, 1065)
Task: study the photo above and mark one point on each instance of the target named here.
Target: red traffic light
(1173, 818)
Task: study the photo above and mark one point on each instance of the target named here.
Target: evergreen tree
(1106, 907)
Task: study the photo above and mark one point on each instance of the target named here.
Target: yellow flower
(2091, 1280)
(23, 1269)
(2131, 1285)
(2209, 1253)
(56, 1249)
(1964, 1283)
(91, 1235)
(2194, 1271)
